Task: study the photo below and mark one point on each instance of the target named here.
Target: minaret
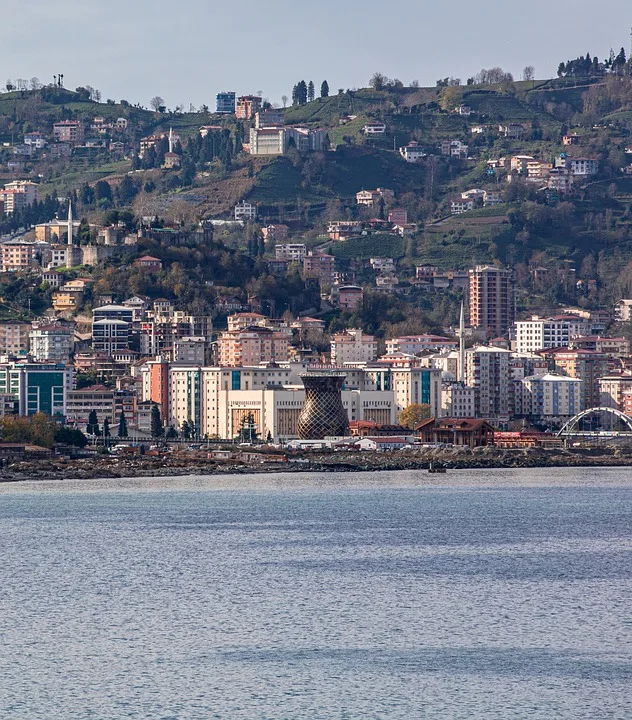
(462, 346)
(170, 139)
(70, 225)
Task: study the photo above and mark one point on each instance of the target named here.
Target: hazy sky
(186, 51)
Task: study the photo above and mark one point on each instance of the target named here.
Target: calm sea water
(491, 595)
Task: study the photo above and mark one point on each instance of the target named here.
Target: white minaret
(462, 346)
(170, 139)
(70, 226)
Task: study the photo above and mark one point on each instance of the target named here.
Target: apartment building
(541, 333)
(252, 346)
(353, 346)
(487, 370)
(53, 342)
(69, 131)
(319, 265)
(291, 252)
(80, 403)
(492, 299)
(248, 106)
(14, 338)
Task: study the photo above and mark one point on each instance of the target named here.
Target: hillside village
(462, 254)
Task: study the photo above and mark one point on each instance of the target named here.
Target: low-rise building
(292, 252)
(412, 152)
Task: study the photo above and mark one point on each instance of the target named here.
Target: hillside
(586, 230)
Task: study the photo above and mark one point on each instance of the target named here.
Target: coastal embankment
(111, 466)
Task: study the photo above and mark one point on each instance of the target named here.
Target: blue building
(226, 103)
(38, 387)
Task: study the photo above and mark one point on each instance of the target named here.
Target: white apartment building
(413, 344)
(245, 211)
(412, 152)
(292, 252)
(541, 334)
(353, 346)
(51, 343)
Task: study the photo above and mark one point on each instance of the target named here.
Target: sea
(482, 594)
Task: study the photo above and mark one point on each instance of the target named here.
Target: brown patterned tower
(323, 413)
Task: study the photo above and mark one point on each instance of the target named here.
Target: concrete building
(245, 211)
(353, 346)
(80, 403)
(319, 265)
(585, 365)
(14, 338)
(458, 400)
(613, 388)
(252, 346)
(492, 300)
(37, 387)
(550, 399)
(53, 342)
(541, 333)
(69, 131)
(292, 252)
(414, 344)
(111, 336)
(248, 106)
(349, 297)
(487, 370)
(189, 351)
(225, 103)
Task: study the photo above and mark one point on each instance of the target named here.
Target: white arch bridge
(572, 426)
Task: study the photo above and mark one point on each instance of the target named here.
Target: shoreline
(111, 467)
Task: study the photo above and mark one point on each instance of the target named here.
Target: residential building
(319, 265)
(275, 233)
(492, 299)
(612, 389)
(149, 263)
(414, 344)
(487, 370)
(623, 310)
(370, 198)
(353, 346)
(349, 297)
(243, 320)
(458, 400)
(374, 129)
(111, 336)
(460, 205)
(113, 312)
(398, 216)
(292, 252)
(248, 106)
(511, 131)
(520, 163)
(37, 387)
(612, 346)
(412, 152)
(585, 365)
(69, 131)
(252, 346)
(35, 139)
(344, 229)
(571, 139)
(245, 211)
(225, 104)
(14, 338)
(550, 398)
(268, 141)
(53, 342)
(20, 256)
(383, 264)
(454, 149)
(17, 195)
(541, 333)
(189, 351)
(269, 118)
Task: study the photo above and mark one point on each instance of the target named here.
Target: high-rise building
(38, 387)
(492, 300)
(487, 370)
(225, 103)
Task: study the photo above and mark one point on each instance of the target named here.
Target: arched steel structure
(573, 422)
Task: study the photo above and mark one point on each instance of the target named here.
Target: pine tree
(301, 92)
(156, 422)
(324, 89)
(122, 428)
(93, 423)
(106, 429)
(311, 92)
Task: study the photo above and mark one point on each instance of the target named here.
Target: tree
(311, 91)
(172, 434)
(186, 430)
(70, 436)
(106, 429)
(284, 100)
(378, 81)
(528, 73)
(122, 427)
(93, 423)
(157, 102)
(414, 414)
(156, 422)
(301, 93)
(324, 89)
(247, 429)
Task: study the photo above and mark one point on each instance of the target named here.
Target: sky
(187, 51)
